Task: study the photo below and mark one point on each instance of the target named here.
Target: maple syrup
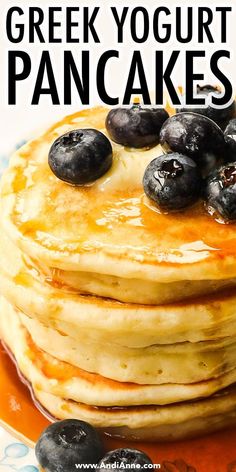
(25, 418)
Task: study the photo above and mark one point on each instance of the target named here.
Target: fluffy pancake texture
(157, 364)
(96, 318)
(67, 392)
(116, 314)
(76, 383)
(150, 423)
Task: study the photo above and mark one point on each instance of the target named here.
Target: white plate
(15, 456)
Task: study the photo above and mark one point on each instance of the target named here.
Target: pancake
(127, 290)
(150, 423)
(67, 381)
(153, 365)
(144, 422)
(121, 236)
(106, 320)
(157, 364)
(116, 314)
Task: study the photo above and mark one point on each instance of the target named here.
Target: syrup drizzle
(28, 385)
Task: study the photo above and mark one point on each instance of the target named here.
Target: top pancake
(108, 227)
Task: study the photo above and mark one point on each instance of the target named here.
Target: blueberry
(136, 126)
(173, 181)
(230, 140)
(66, 443)
(80, 156)
(122, 459)
(195, 136)
(219, 115)
(221, 192)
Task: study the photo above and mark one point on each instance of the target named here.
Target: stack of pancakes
(116, 314)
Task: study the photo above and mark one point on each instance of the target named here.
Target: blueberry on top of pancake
(197, 137)
(218, 115)
(80, 156)
(173, 181)
(221, 191)
(230, 140)
(136, 126)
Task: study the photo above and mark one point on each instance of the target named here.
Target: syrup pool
(23, 417)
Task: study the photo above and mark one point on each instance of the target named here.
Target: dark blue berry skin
(195, 136)
(219, 115)
(127, 457)
(230, 140)
(80, 156)
(173, 181)
(220, 192)
(66, 443)
(135, 127)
